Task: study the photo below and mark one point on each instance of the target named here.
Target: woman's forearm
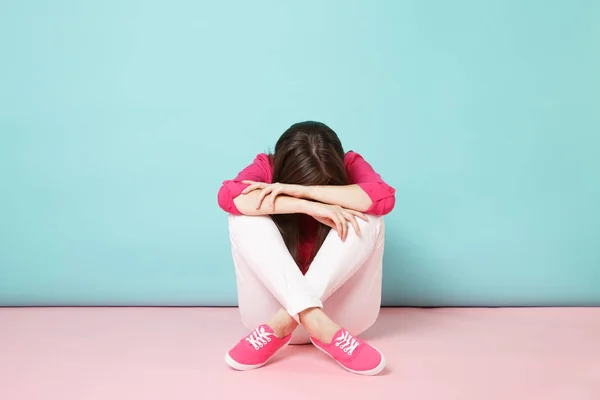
(352, 197)
(246, 204)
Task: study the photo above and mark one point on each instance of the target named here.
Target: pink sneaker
(353, 354)
(256, 349)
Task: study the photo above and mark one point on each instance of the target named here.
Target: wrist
(308, 192)
(304, 206)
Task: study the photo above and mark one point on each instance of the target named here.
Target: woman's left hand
(272, 190)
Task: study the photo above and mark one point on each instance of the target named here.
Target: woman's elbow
(389, 205)
(225, 201)
(383, 206)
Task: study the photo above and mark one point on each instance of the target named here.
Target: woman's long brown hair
(310, 154)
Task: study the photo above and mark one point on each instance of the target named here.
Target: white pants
(344, 278)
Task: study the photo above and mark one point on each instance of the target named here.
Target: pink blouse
(359, 172)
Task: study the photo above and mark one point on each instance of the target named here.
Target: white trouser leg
(338, 261)
(345, 275)
(348, 277)
(257, 244)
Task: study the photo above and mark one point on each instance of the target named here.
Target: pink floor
(171, 354)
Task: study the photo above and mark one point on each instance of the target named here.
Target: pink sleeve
(258, 171)
(361, 173)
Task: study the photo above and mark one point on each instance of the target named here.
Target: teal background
(120, 119)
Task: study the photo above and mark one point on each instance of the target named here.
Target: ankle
(284, 330)
(283, 325)
(319, 325)
(312, 316)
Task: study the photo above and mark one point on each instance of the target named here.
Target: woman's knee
(374, 227)
(245, 220)
(244, 223)
(374, 221)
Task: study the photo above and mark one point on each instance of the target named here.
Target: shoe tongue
(341, 332)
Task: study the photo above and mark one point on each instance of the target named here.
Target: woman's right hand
(335, 217)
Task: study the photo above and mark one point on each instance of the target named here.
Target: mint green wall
(119, 120)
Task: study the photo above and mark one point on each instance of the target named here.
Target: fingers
(266, 189)
(263, 193)
(253, 186)
(338, 218)
(328, 222)
(342, 218)
(344, 227)
(273, 196)
(358, 214)
(352, 219)
(339, 223)
(250, 188)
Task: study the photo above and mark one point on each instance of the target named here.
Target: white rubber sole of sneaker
(244, 367)
(370, 372)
